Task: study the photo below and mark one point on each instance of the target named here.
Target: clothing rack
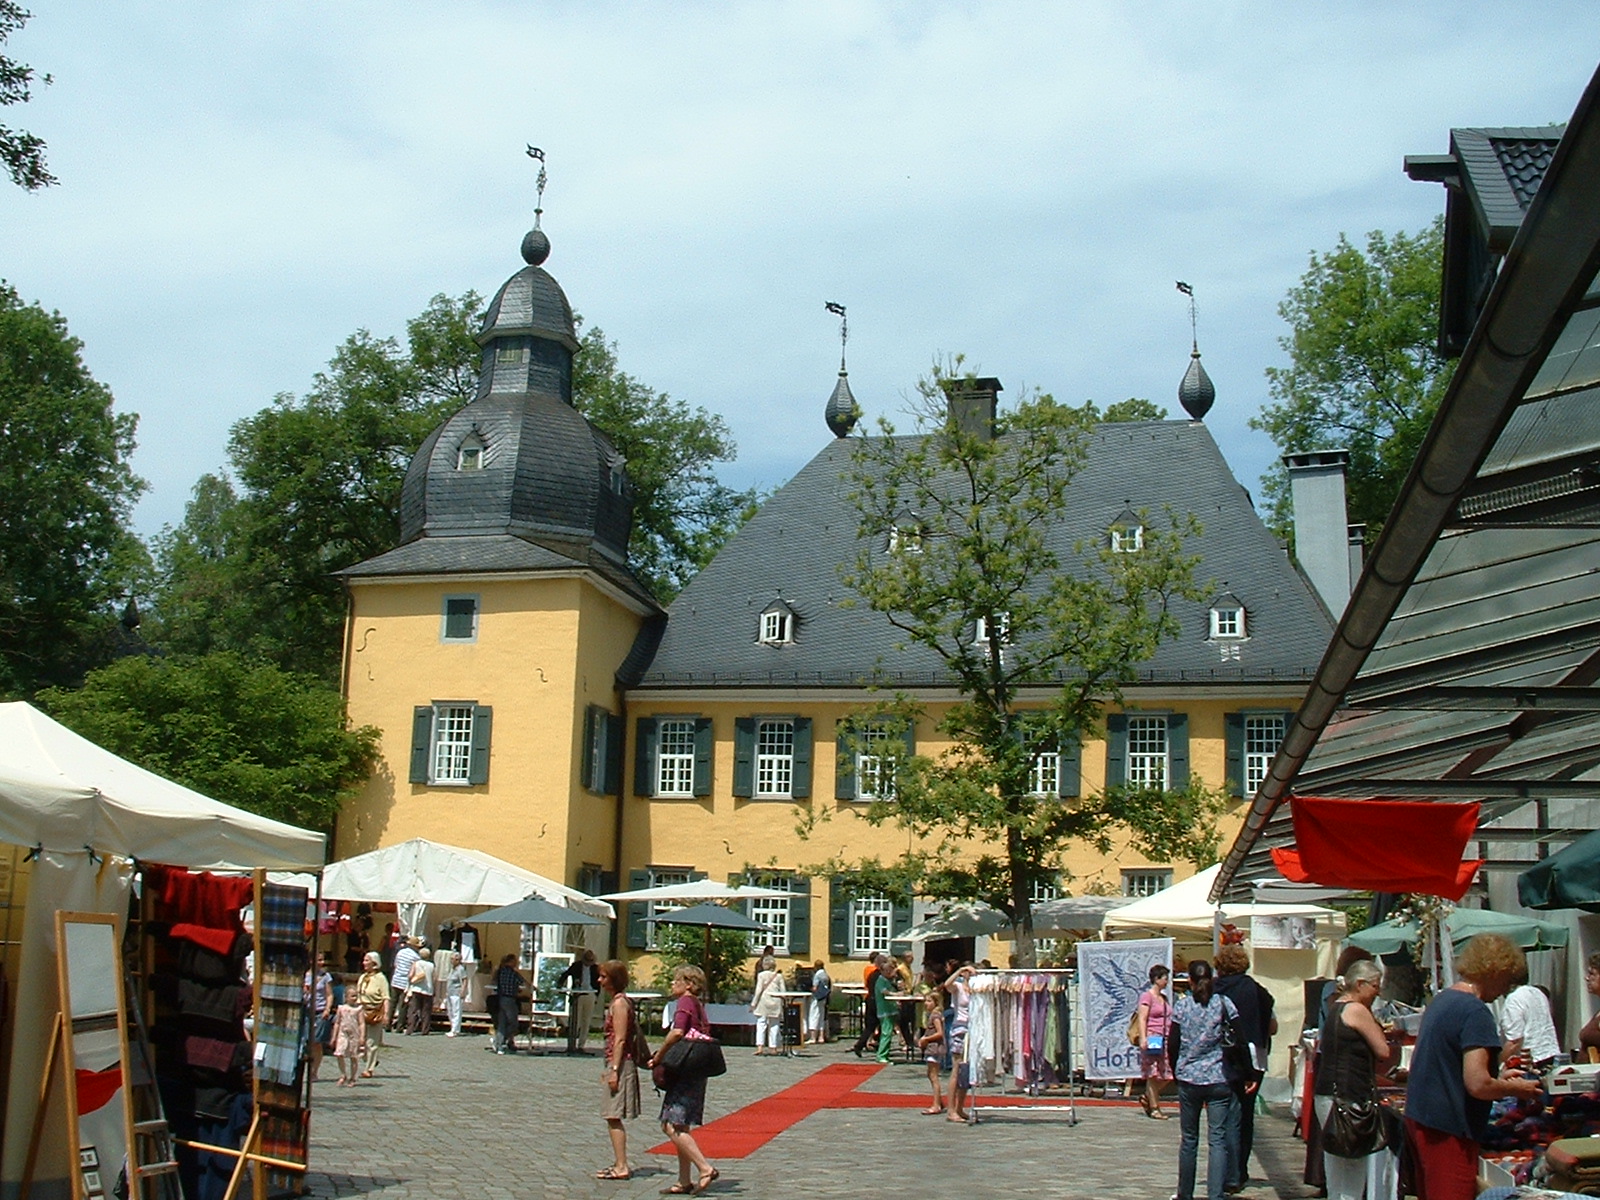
(1032, 981)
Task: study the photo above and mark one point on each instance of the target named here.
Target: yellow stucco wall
(720, 834)
(545, 648)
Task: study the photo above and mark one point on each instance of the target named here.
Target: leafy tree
(244, 733)
(1132, 409)
(686, 945)
(1077, 620)
(21, 152)
(1365, 373)
(66, 491)
(316, 480)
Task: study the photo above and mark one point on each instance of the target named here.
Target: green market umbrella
(535, 910)
(1463, 923)
(1570, 878)
(709, 917)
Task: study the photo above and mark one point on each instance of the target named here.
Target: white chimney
(1321, 523)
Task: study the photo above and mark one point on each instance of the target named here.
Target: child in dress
(931, 1043)
(349, 1037)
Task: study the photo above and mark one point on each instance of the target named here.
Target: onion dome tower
(842, 412)
(1196, 393)
(520, 460)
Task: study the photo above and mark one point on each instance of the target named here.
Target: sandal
(931, 1112)
(707, 1180)
(1157, 1115)
(613, 1173)
(678, 1189)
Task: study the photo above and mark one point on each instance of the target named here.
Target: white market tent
(1185, 913)
(419, 873)
(88, 814)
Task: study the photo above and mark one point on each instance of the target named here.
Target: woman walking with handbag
(1354, 1047)
(1155, 1017)
(684, 1104)
(767, 1005)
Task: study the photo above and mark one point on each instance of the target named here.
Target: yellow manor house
(537, 703)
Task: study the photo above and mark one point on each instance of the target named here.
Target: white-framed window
(1042, 891)
(1143, 881)
(905, 538)
(773, 912)
(1147, 751)
(662, 877)
(874, 769)
(1127, 539)
(1262, 736)
(776, 626)
(870, 920)
(511, 354)
(470, 456)
(451, 744)
(1044, 774)
(675, 756)
(997, 630)
(774, 759)
(1227, 622)
(459, 621)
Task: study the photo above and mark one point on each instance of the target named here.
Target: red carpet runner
(746, 1130)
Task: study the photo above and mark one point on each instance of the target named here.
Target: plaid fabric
(283, 915)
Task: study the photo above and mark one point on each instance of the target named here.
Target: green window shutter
(421, 736)
(611, 781)
(844, 768)
(744, 756)
(587, 765)
(1178, 750)
(800, 918)
(899, 920)
(1116, 749)
(1071, 775)
(1233, 753)
(637, 909)
(800, 782)
(738, 879)
(703, 745)
(838, 919)
(644, 761)
(482, 722)
(909, 736)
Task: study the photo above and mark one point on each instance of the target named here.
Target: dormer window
(511, 354)
(1227, 620)
(616, 475)
(777, 625)
(997, 629)
(905, 537)
(1127, 533)
(471, 454)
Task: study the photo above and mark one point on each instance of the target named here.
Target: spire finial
(538, 211)
(837, 310)
(842, 411)
(1196, 393)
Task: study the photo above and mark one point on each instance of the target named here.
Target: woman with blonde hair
(767, 1004)
(1353, 1049)
(684, 1104)
(1454, 1075)
(372, 993)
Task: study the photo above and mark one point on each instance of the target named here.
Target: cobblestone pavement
(443, 1120)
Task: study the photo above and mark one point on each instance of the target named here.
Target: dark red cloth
(218, 940)
(1381, 845)
(1444, 1167)
(200, 899)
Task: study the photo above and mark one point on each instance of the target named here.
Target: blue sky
(245, 184)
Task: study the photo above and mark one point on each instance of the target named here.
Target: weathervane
(535, 153)
(837, 310)
(1194, 316)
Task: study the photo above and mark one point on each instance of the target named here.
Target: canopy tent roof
(1185, 908)
(1464, 664)
(420, 872)
(697, 889)
(62, 792)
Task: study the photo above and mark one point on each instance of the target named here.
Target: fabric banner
(1110, 977)
(1381, 845)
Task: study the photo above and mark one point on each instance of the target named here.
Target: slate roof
(1502, 168)
(791, 550)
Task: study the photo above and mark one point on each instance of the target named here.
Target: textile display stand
(1004, 992)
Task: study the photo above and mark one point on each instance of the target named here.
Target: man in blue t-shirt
(1453, 1071)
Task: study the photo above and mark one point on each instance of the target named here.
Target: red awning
(1381, 845)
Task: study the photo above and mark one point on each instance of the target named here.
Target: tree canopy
(1365, 373)
(990, 589)
(242, 732)
(21, 152)
(315, 486)
(66, 492)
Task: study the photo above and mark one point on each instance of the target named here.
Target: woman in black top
(1354, 1045)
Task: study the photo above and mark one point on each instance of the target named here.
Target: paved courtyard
(443, 1119)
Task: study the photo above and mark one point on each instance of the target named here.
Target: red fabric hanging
(1382, 845)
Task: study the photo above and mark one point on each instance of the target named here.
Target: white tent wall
(63, 881)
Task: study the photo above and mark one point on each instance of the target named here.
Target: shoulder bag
(1235, 1044)
(1354, 1128)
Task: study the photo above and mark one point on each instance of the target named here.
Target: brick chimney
(1322, 542)
(972, 403)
